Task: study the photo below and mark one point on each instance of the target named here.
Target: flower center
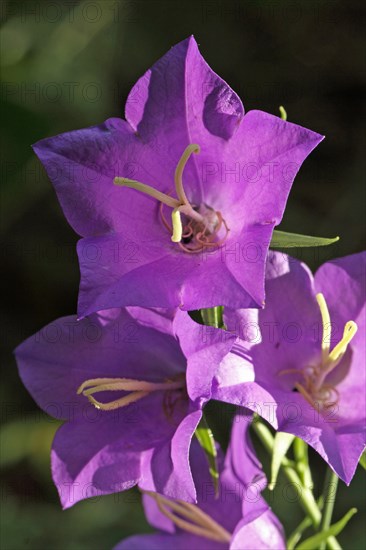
(190, 518)
(315, 389)
(201, 226)
(137, 389)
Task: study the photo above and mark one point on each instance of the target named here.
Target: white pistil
(199, 523)
(138, 389)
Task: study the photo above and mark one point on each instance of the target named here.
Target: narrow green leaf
(283, 239)
(312, 543)
(363, 459)
(282, 443)
(296, 535)
(207, 442)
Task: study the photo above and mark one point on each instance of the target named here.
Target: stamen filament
(192, 148)
(300, 388)
(200, 523)
(326, 326)
(208, 520)
(148, 190)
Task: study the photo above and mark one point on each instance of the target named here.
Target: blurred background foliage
(66, 65)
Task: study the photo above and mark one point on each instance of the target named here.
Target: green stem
(302, 462)
(307, 500)
(296, 535)
(212, 316)
(329, 493)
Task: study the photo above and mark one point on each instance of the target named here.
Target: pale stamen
(138, 389)
(177, 226)
(181, 205)
(199, 523)
(315, 388)
(326, 325)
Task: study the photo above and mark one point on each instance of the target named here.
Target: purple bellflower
(178, 202)
(306, 354)
(236, 518)
(132, 385)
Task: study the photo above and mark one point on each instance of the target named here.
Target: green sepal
(312, 543)
(206, 440)
(283, 239)
(282, 443)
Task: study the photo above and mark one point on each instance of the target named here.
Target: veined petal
(180, 100)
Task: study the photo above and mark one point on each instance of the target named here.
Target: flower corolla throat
(203, 223)
(315, 389)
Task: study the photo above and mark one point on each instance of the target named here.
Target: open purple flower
(147, 376)
(237, 518)
(178, 203)
(306, 354)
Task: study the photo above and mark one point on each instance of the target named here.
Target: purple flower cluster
(176, 207)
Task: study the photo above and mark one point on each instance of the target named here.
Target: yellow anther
(204, 224)
(177, 226)
(181, 204)
(327, 327)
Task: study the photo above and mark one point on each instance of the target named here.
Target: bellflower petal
(204, 347)
(288, 388)
(262, 533)
(235, 191)
(120, 353)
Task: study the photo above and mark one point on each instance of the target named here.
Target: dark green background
(67, 66)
